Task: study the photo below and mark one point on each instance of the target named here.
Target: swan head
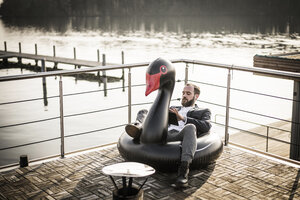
(159, 74)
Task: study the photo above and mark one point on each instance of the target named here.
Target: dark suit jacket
(199, 117)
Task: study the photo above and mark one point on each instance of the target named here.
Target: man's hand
(179, 117)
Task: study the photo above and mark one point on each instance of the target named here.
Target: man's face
(188, 96)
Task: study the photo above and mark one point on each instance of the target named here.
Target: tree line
(88, 8)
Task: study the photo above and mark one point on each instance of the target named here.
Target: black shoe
(133, 130)
(183, 172)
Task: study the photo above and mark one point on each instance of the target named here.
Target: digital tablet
(172, 118)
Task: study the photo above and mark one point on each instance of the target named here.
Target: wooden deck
(237, 174)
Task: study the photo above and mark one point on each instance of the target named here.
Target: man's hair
(196, 88)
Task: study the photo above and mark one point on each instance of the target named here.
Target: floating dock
(237, 174)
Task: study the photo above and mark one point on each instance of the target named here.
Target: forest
(90, 8)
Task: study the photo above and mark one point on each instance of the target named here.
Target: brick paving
(236, 174)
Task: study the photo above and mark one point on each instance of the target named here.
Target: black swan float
(152, 149)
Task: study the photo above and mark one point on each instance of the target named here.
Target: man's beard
(188, 103)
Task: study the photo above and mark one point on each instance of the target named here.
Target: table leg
(124, 181)
(114, 182)
(143, 184)
(130, 183)
(124, 186)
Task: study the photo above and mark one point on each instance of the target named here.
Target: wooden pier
(78, 63)
(5, 55)
(54, 59)
(237, 174)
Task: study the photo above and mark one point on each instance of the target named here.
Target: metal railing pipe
(61, 106)
(247, 121)
(129, 95)
(279, 74)
(227, 107)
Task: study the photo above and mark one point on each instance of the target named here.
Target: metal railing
(268, 127)
(230, 68)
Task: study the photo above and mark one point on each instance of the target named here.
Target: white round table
(130, 170)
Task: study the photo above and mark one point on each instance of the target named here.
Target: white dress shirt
(183, 112)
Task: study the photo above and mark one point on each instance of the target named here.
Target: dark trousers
(188, 137)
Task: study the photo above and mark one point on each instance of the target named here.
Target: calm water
(222, 39)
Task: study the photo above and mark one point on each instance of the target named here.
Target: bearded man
(192, 123)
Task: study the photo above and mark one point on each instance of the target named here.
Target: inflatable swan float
(152, 149)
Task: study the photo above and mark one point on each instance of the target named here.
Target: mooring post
(186, 74)
(20, 47)
(44, 69)
(62, 132)
(54, 55)
(54, 51)
(35, 48)
(5, 46)
(20, 51)
(5, 60)
(123, 76)
(104, 75)
(227, 107)
(74, 52)
(98, 73)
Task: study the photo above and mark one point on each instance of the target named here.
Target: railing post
(129, 95)
(267, 143)
(186, 74)
(61, 106)
(227, 107)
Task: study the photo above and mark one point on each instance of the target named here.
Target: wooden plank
(6, 56)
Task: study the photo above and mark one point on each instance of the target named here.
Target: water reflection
(202, 24)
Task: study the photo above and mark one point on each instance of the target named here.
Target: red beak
(152, 82)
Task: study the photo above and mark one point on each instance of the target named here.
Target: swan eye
(163, 69)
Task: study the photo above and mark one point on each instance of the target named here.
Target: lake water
(222, 39)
